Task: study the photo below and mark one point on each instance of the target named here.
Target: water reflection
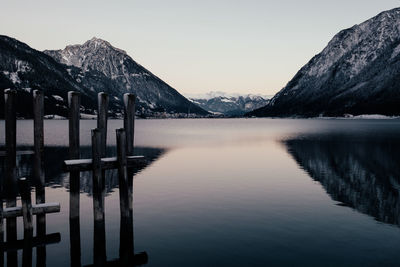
(361, 173)
(55, 176)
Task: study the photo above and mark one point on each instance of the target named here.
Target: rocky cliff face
(357, 73)
(103, 67)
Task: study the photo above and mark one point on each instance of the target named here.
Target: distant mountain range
(357, 73)
(220, 103)
(96, 66)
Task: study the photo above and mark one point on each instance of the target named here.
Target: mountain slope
(25, 69)
(229, 104)
(357, 73)
(96, 58)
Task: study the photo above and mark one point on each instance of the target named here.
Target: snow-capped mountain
(26, 69)
(89, 68)
(102, 67)
(357, 73)
(227, 103)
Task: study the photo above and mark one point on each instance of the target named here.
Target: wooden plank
(129, 121)
(36, 242)
(102, 117)
(106, 163)
(140, 258)
(36, 209)
(99, 235)
(18, 153)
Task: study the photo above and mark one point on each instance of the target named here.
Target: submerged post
(102, 116)
(99, 237)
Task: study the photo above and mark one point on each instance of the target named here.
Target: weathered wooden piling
(129, 121)
(99, 253)
(74, 178)
(122, 172)
(129, 126)
(102, 117)
(74, 148)
(11, 168)
(38, 168)
(38, 114)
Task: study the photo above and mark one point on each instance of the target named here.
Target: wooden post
(99, 237)
(102, 116)
(129, 121)
(74, 178)
(126, 223)
(38, 112)
(11, 169)
(129, 125)
(74, 151)
(38, 134)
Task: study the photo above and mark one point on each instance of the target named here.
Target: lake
(239, 192)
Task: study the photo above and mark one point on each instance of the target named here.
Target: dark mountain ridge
(357, 73)
(26, 69)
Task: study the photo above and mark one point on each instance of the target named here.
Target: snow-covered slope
(26, 69)
(227, 103)
(103, 67)
(357, 73)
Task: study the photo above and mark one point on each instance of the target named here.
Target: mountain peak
(97, 43)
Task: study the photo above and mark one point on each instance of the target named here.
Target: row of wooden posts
(124, 161)
(10, 183)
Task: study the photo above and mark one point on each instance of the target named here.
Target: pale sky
(242, 46)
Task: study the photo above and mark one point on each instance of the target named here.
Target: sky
(235, 46)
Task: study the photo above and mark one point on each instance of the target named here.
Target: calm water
(241, 192)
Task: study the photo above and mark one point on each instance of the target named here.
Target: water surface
(241, 192)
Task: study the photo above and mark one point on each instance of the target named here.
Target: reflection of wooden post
(11, 170)
(25, 192)
(99, 237)
(126, 229)
(38, 133)
(74, 179)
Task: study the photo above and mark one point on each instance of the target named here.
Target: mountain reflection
(56, 177)
(362, 173)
